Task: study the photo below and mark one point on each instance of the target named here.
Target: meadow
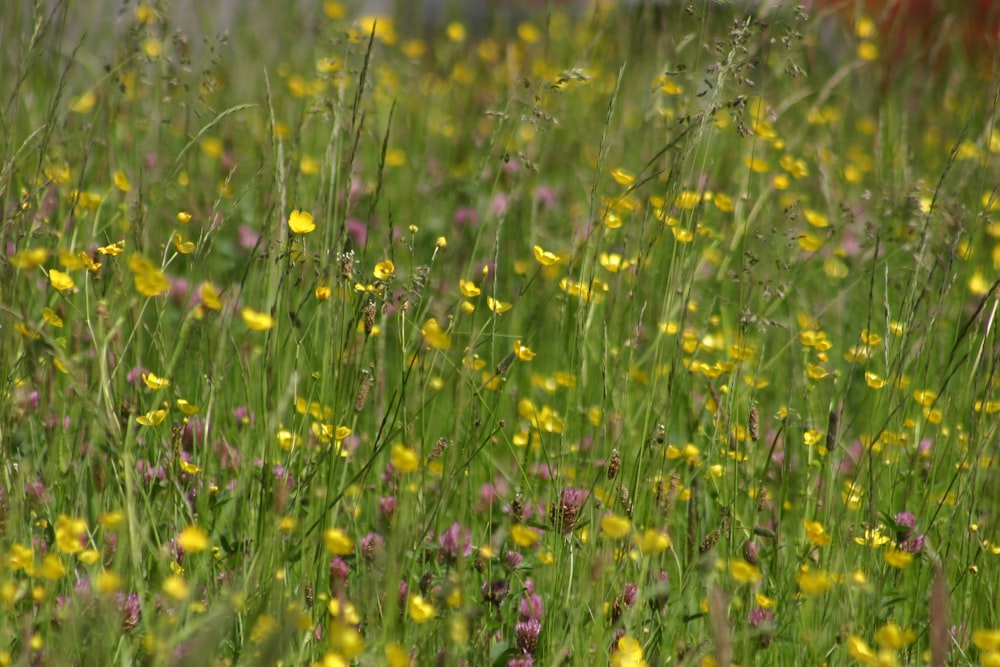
(640, 337)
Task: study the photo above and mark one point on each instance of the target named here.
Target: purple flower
(565, 511)
(521, 661)
(244, 416)
(134, 376)
(905, 520)
(526, 635)
(495, 591)
(907, 536)
(149, 472)
(545, 196)
(387, 506)
(466, 217)
(338, 573)
(759, 616)
(358, 231)
(26, 399)
(37, 495)
(455, 542)
(248, 237)
(511, 561)
(179, 290)
(751, 551)
(762, 620)
(491, 492)
(498, 206)
(530, 605)
(130, 609)
(630, 595)
(372, 546)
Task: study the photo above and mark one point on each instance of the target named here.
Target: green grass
(330, 346)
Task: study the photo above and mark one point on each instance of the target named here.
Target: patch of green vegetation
(637, 337)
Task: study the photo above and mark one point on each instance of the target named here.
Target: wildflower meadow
(621, 334)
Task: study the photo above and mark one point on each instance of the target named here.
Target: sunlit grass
(635, 337)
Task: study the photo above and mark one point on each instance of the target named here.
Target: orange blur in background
(911, 27)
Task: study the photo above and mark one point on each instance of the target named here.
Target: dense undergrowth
(633, 337)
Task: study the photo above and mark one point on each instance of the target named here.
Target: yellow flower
(858, 649)
(107, 583)
(152, 47)
(337, 542)
(175, 587)
(816, 372)
(892, 636)
(209, 296)
(523, 352)
(744, 572)
(420, 609)
(383, 270)
(25, 260)
(810, 242)
(615, 527)
(257, 321)
(523, 536)
(193, 539)
(873, 380)
(61, 281)
(682, 235)
(867, 51)
(497, 306)
(112, 250)
(812, 583)
(84, 103)
(343, 611)
(68, 534)
(52, 567)
(816, 533)
(149, 280)
(404, 459)
(812, 437)
(183, 217)
(211, 146)
(187, 408)
(529, 32)
(628, 653)
(154, 381)
(816, 219)
(121, 181)
(986, 640)
(612, 262)
(181, 246)
(301, 222)
(468, 288)
(436, 337)
(651, 542)
(323, 292)
(897, 558)
(757, 164)
(723, 202)
(622, 176)
(687, 200)
(152, 418)
(545, 257)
